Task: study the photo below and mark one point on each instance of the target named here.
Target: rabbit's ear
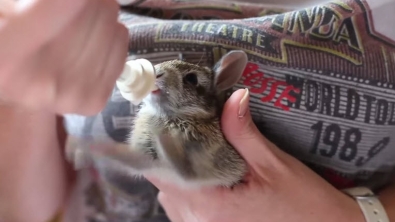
(229, 69)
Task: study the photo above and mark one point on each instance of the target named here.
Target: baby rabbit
(177, 134)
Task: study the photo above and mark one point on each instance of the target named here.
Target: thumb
(242, 133)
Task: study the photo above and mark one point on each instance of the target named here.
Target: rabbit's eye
(191, 78)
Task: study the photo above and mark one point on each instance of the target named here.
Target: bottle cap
(137, 80)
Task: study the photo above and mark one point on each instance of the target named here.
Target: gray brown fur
(179, 129)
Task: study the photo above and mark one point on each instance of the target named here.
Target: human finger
(242, 133)
(114, 66)
(162, 185)
(170, 206)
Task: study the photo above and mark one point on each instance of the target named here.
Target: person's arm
(387, 198)
(34, 179)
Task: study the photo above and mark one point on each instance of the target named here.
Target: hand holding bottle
(61, 56)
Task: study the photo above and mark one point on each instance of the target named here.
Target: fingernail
(244, 103)
(125, 2)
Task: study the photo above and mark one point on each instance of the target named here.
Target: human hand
(62, 56)
(277, 188)
(35, 179)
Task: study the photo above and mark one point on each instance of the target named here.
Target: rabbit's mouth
(156, 92)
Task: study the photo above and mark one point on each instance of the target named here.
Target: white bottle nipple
(137, 80)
